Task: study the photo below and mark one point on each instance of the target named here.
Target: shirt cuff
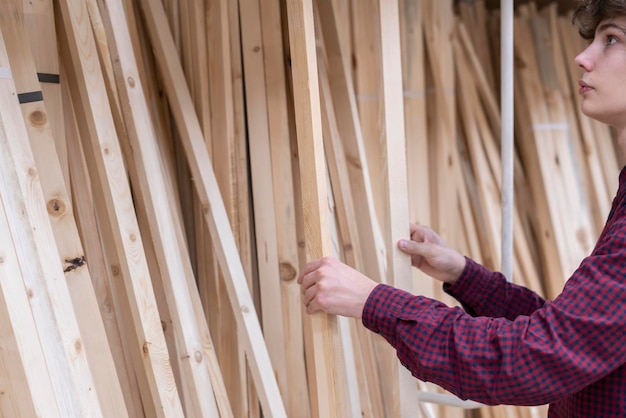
(383, 306)
(473, 284)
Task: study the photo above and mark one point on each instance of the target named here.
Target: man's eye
(610, 39)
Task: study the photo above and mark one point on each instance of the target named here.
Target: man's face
(603, 82)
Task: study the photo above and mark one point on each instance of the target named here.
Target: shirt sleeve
(485, 293)
(534, 359)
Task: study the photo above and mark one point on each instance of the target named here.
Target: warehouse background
(168, 167)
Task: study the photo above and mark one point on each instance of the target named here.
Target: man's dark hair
(591, 12)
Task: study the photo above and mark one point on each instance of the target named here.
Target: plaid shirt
(509, 346)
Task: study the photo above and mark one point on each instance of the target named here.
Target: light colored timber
(296, 395)
(327, 385)
(396, 214)
(192, 335)
(348, 247)
(24, 378)
(39, 24)
(263, 190)
(215, 213)
(101, 274)
(350, 131)
(104, 157)
(49, 297)
(415, 123)
(63, 224)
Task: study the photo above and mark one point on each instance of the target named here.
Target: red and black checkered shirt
(509, 346)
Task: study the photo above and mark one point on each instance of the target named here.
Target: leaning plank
(396, 215)
(25, 381)
(368, 381)
(62, 219)
(263, 190)
(39, 23)
(328, 388)
(213, 205)
(104, 157)
(32, 234)
(193, 341)
(297, 396)
(94, 246)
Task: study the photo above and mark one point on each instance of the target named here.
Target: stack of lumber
(167, 168)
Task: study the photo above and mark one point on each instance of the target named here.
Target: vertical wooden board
(368, 91)
(416, 132)
(263, 190)
(62, 219)
(349, 127)
(296, 396)
(101, 275)
(231, 165)
(438, 29)
(327, 378)
(551, 265)
(349, 249)
(192, 337)
(215, 213)
(25, 382)
(42, 269)
(105, 158)
(39, 23)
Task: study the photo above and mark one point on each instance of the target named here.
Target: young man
(508, 345)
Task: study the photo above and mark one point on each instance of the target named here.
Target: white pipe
(507, 150)
(446, 399)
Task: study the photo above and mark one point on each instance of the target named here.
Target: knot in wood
(197, 356)
(56, 207)
(287, 272)
(131, 82)
(245, 309)
(38, 118)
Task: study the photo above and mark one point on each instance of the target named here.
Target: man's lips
(584, 87)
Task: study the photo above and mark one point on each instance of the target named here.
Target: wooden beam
(327, 383)
(213, 205)
(105, 158)
(33, 239)
(61, 216)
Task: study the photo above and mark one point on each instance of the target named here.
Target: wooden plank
(327, 383)
(25, 380)
(396, 214)
(104, 157)
(101, 274)
(296, 396)
(193, 339)
(361, 347)
(62, 219)
(415, 121)
(43, 273)
(215, 213)
(263, 191)
(39, 23)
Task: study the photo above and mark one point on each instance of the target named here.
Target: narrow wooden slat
(215, 214)
(263, 190)
(327, 383)
(193, 339)
(104, 157)
(101, 275)
(39, 23)
(25, 381)
(296, 396)
(396, 214)
(360, 345)
(43, 273)
(62, 219)
(416, 126)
